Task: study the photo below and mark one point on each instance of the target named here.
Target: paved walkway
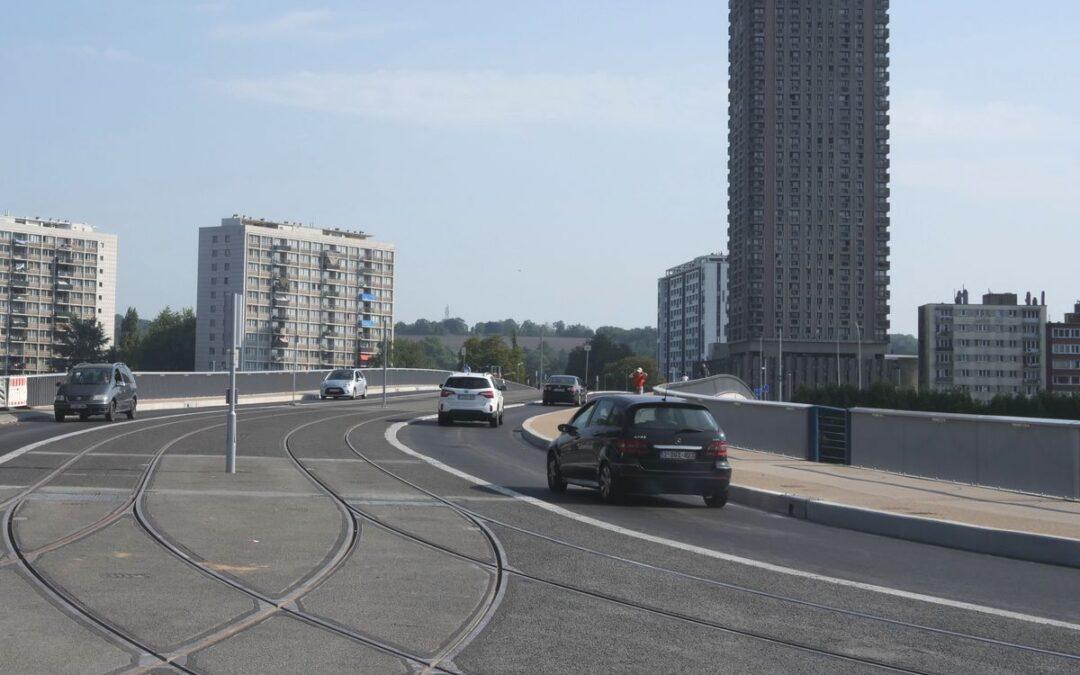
(884, 491)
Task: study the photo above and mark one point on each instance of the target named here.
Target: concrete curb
(1006, 543)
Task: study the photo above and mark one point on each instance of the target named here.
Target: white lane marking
(391, 437)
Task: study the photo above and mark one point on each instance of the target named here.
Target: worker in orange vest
(637, 378)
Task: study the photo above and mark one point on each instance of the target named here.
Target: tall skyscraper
(315, 297)
(808, 191)
(691, 315)
(51, 272)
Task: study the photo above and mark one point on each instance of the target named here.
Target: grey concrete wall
(1030, 455)
(758, 425)
(714, 385)
(41, 389)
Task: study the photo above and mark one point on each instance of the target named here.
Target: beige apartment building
(314, 297)
(51, 271)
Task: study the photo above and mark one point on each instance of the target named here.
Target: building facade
(691, 315)
(314, 297)
(998, 347)
(1063, 354)
(51, 271)
(808, 191)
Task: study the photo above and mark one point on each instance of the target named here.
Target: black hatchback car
(96, 389)
(641, 444)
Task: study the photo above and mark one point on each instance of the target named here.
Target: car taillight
(487, 393)
(716, 449)
(444, 393)
(632, 446)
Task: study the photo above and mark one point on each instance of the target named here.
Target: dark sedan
(563, 389)
(641, 444)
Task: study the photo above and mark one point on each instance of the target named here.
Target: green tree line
(167, 343)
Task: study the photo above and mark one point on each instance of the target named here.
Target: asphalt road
(338, 547)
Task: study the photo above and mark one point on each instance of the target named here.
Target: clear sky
(576, 147)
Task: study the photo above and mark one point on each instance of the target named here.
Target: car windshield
(674, 418)
(467, 383)
(340, 375)
(89, 376)
(562, 379)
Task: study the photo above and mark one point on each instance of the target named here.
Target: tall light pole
(295, 360)
(780, 365)
(858, 326)
(587, 348)
(385, 358)
(541, 381)
(838, 356)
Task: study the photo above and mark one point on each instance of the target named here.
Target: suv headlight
(60, 397)
(101, 398)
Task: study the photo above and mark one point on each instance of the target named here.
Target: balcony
(281, 341)
(282, 301)
(20, 281)
(332, 260)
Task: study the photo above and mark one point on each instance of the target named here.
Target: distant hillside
(454, 342)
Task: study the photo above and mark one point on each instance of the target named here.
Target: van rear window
(674, 418)
(467, 383)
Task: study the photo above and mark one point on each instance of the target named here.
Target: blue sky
(577, 147)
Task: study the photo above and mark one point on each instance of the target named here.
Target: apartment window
(215, 239)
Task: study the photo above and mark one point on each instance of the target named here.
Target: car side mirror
(501, 387)
(568, 429)
(58, 384)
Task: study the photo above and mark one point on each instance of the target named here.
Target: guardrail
(41, 389)
(1013, 453)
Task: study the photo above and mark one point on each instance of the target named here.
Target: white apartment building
(314, 297)
(51, 271)
(691, 314)
(998, 347)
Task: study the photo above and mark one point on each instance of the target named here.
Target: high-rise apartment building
(1063, 354)
(994, 348)
(314, 297)
(691, 313)
(51, 271)
(808, 191)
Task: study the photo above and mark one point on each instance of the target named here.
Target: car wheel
(58, 416)
(321, 397)
(501, 415)
(716, 499)
(609, 485)
(131, 411)
(494, 421)
(110, 414)
(444, 420)
(364, 395)
(556, 483)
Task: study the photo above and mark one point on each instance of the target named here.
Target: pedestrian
(638, 380)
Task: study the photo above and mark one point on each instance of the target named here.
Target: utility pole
(234, 309)
(858, 327)
(838, 356)
(780, 359)
(295, 360)
(541, 381)
(587, 348)
(385, 358)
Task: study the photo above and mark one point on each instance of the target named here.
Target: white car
(471, 396)
(343, 383)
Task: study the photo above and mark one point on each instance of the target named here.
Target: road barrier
(1023, 454)
(41, 389)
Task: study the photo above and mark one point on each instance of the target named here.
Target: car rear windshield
(562, 379)
(467, 383)
(89, 376)
(340, 375)
(675, 418)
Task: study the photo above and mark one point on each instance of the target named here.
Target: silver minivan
(96, 389)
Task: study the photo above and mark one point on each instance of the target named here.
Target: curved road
(355, 538)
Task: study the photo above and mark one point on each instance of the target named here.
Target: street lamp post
(858, 327)
(587, 348)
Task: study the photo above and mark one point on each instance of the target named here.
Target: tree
(616, 374)
(425, 353)
(169, 342)
(491, 350)
(604, 351)
(127, 342)
(83, 341)
(900, 343)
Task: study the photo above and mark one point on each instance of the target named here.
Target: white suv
(471, 396)
(345, 382)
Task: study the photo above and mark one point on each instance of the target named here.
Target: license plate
(466, 397)
(77, 406)
(678, 454)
